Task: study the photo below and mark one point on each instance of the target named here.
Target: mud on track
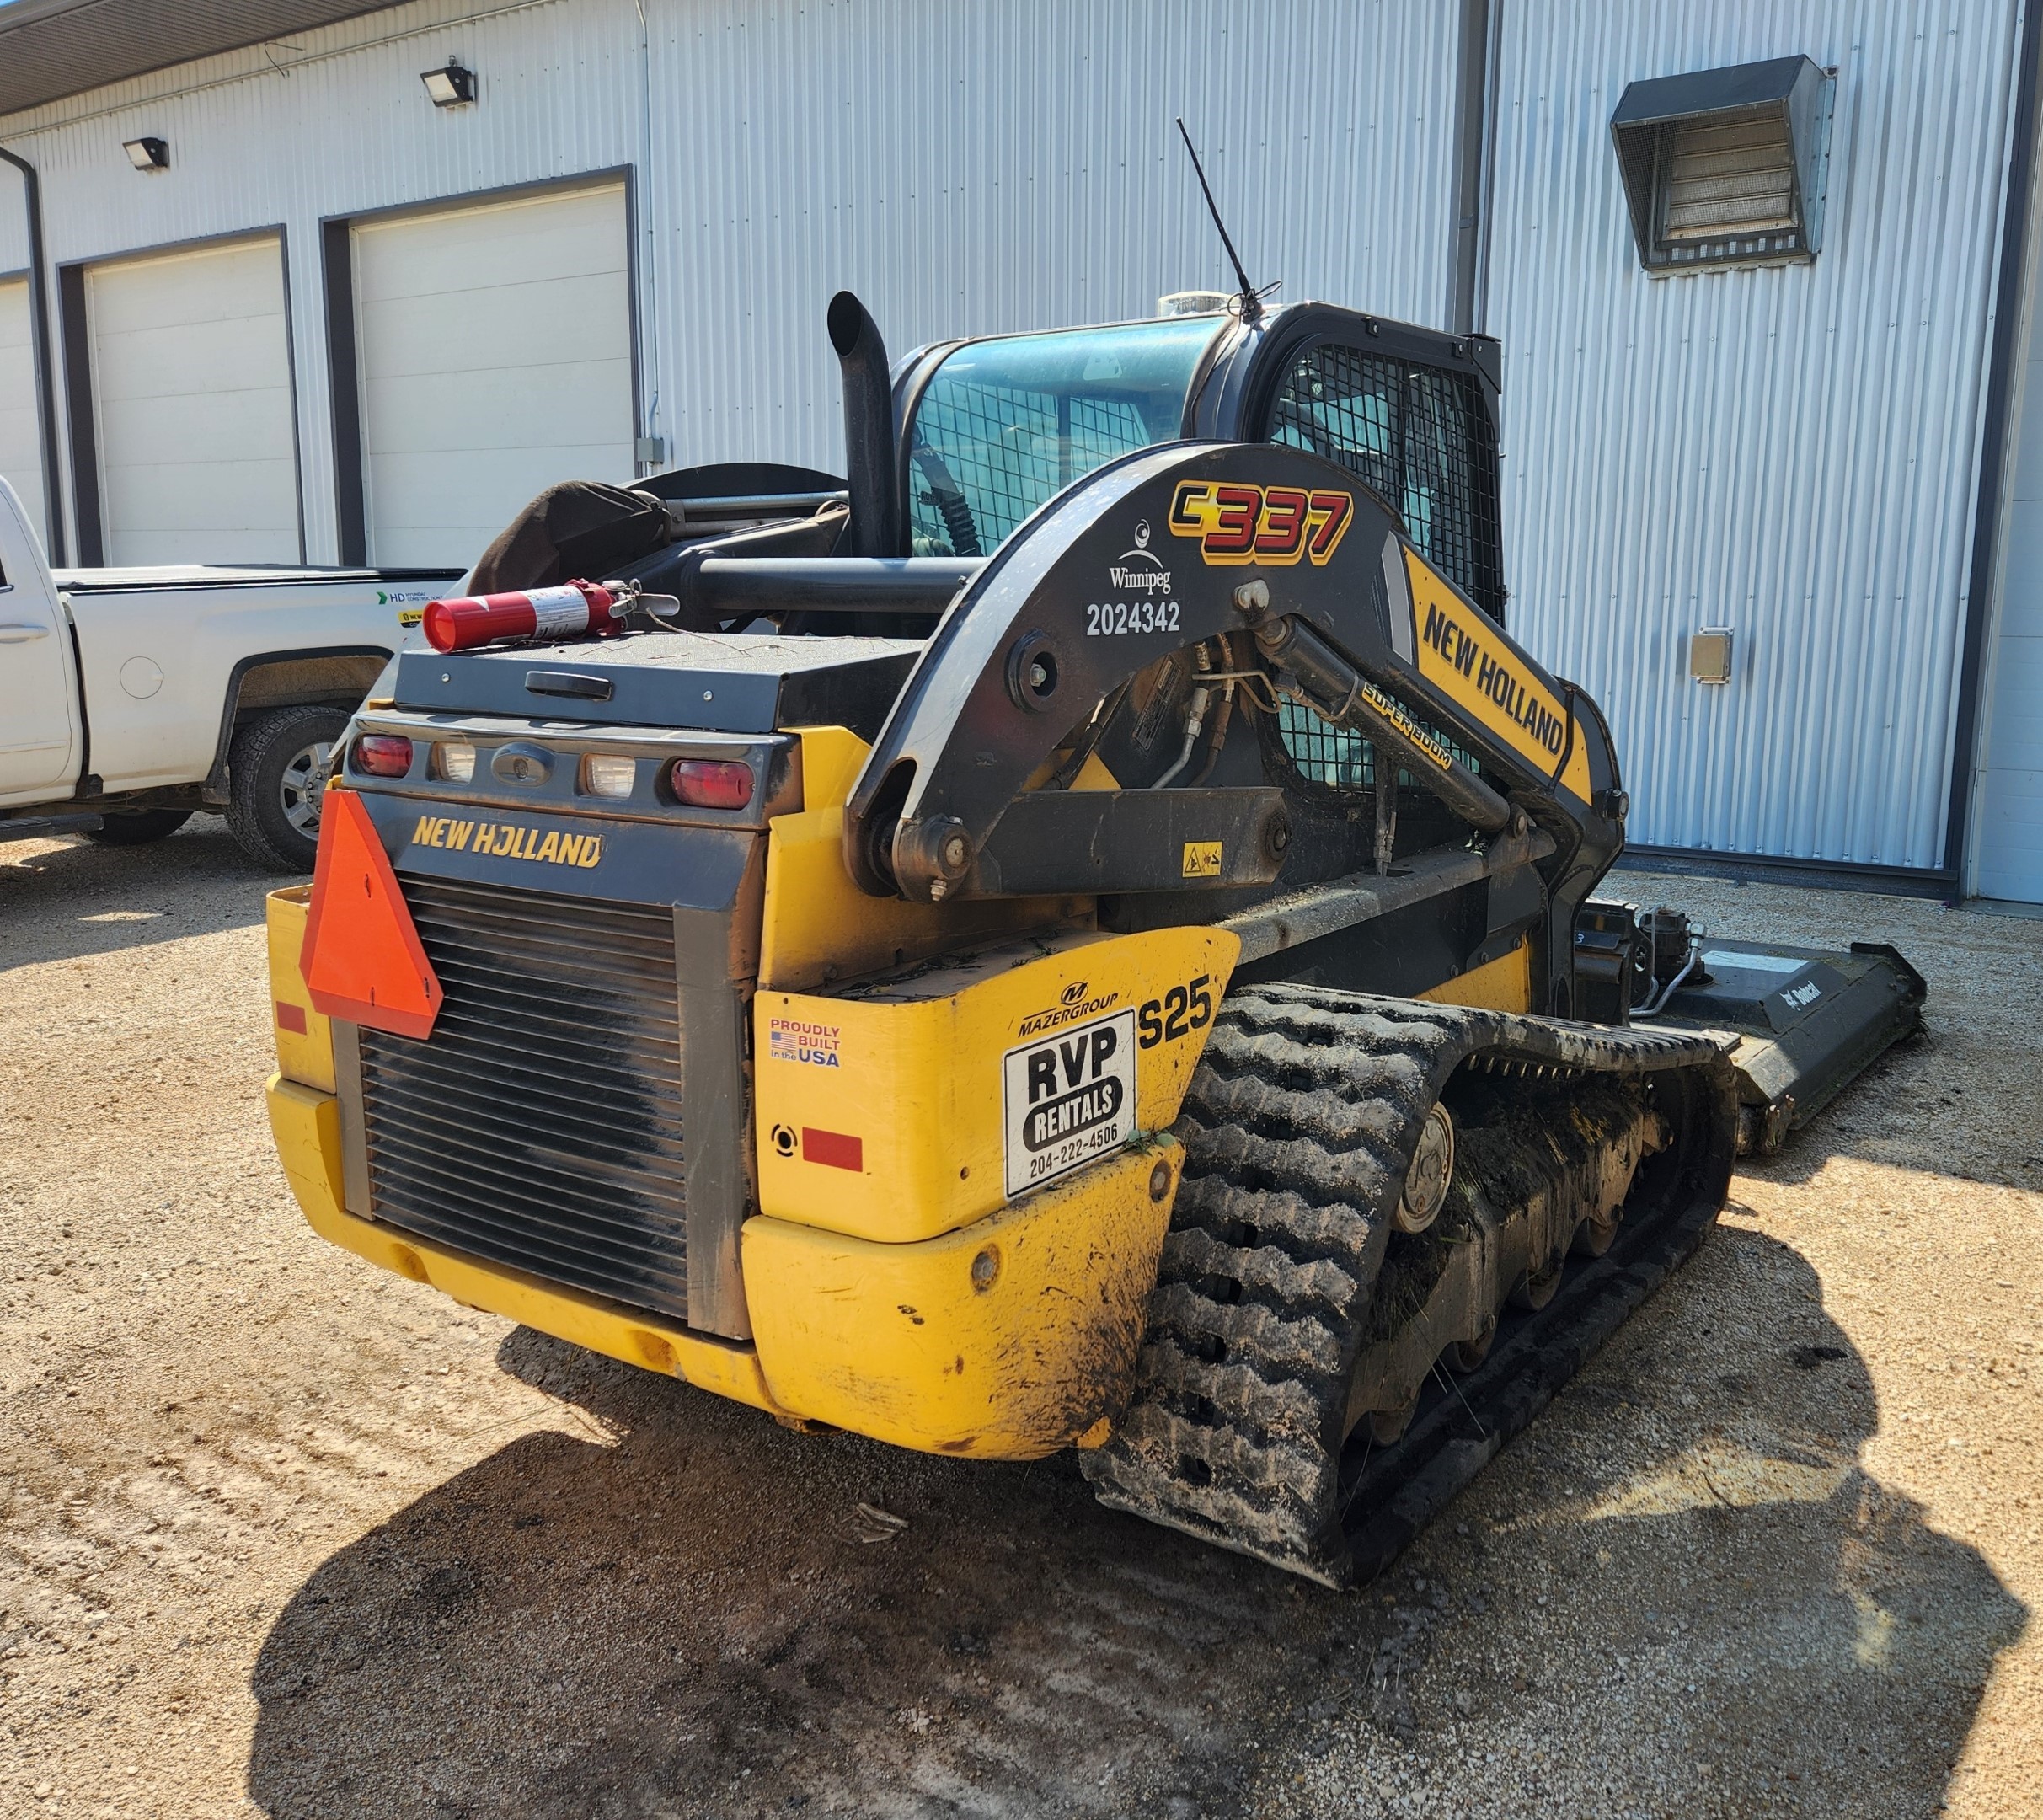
(281, 1535)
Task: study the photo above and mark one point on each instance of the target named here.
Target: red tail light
(382, 754)
(711, 782)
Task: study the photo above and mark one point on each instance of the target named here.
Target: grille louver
(1730, 176)
(540, 1125)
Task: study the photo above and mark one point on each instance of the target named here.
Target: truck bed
(173, 575)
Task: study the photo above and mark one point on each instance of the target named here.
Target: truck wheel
(276, 773)
(135, 828)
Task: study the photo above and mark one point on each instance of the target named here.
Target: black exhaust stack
(869, 430)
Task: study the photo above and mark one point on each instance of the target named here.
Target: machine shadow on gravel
(66, 902)
(664, 1608)
(684, 1620)
(1789, 1632)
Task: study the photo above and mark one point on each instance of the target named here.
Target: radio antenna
(1251, 300)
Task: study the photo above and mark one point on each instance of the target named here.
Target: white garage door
(21, 454)
(191, 385)
(493, 345)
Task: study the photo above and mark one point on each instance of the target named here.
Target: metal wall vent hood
(1725, 166)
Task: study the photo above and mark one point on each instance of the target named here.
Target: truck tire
(276, 772)
(137, 827)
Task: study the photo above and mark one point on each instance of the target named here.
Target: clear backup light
(382, 754)
(604, 775)
(455, 761)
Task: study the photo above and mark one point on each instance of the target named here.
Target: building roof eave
(51, 49)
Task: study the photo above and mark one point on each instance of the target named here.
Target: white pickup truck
(130, 699)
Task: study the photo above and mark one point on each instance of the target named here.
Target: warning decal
(1067, 1099)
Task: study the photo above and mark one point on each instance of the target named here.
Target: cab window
(1007, 424)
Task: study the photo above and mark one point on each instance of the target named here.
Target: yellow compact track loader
(1077, 934)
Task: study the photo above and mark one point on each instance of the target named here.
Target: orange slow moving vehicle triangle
(361, 959)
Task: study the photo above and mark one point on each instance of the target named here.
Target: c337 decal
(507, 840)
(1235, 522)
(1465, 658)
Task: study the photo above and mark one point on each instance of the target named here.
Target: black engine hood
(722, 683)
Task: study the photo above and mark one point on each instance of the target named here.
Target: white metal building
(294, 309)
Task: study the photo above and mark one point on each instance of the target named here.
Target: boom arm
(1169, 548)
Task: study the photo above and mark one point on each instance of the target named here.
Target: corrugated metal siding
(1002, 165)
(1790, 450)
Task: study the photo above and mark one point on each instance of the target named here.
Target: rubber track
(1298, 1127)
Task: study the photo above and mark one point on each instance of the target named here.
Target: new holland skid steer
(1078, 934)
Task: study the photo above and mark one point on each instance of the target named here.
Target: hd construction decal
(508, 840)
(1276, 526)
(1461, 655)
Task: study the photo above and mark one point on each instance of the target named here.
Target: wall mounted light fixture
(451, 87)
(147, 154)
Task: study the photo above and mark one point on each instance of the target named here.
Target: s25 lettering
(1234, 522)
(1181, 1010)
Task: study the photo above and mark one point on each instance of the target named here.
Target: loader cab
(995, 428)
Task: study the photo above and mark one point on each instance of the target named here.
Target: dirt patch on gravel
(283, 1535)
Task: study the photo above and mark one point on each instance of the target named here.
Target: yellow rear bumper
(306, 1125)
(1007, 1339)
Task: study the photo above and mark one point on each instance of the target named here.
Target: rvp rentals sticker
(1067, 1099)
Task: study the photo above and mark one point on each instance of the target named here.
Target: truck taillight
(711, 782)
(382, 754)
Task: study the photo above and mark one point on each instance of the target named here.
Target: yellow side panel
(819, 927)
(1504, 984)
(306, 1056)
(881, 1111)
(1470, 661)
(307, 1126)
(1004, 1341)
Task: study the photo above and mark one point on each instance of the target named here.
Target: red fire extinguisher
(549, 615)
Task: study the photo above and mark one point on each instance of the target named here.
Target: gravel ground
(282, 1535)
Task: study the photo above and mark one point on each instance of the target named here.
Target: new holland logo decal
(508, 840)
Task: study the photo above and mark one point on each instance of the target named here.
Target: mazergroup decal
(1235, 522)
(1469, 661)
(1073, 1006)
(508, 840)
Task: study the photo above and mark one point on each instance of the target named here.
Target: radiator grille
(540, 1125)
